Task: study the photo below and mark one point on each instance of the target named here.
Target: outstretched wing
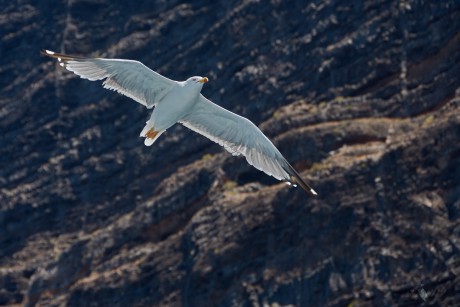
(130, 78)
(240, 136)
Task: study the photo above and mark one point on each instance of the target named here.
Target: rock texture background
(361, 96)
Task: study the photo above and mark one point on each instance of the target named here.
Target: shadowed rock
(363, 97)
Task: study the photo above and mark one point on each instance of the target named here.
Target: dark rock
(362, 97)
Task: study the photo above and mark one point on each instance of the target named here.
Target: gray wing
(130, 78)
(240, 136)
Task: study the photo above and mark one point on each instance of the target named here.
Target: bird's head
(197, 80)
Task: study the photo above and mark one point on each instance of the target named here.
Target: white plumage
(182, 102)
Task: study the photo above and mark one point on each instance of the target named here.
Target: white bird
(182, 102)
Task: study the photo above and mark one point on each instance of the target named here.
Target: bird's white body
(180, 101)
(175, 101)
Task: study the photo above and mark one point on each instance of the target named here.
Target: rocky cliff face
(361, 96)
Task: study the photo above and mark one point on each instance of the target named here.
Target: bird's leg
(151, 134)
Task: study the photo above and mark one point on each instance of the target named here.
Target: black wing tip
(313, 192)
(54, 55)
(47, 52)
(59, 56)
(304, 185)
(296, 179)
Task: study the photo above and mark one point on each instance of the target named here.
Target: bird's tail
(150, 134)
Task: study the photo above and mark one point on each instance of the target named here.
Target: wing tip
(307, 188)
(46, 51)
(51, 54)
(59, 56)
(295, 178)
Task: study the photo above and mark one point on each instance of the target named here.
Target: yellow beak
(204, 80)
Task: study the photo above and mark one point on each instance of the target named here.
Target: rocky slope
(362, 97)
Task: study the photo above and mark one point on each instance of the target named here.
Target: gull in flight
(181, 101)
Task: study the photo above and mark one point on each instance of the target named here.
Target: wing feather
(238, 135)
(130, 78)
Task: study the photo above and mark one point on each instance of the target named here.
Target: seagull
(182, 102)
